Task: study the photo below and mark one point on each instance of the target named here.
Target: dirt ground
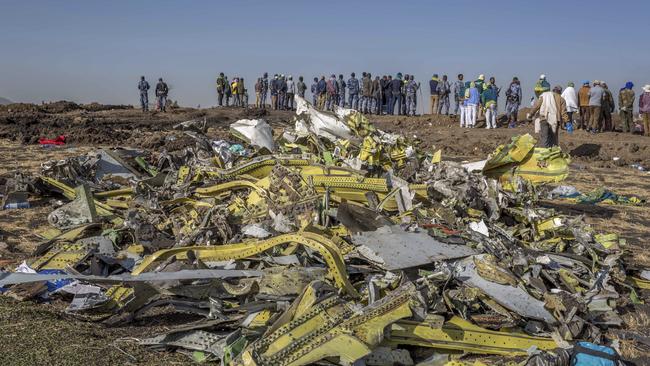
(42, 334)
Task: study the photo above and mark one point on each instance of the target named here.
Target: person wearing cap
(583, 98)
(513, 101)
(571, 100)
(644, 109)
(143, 87)
(626, 107)
(596, 94)
(551, 110)
(433, 94)
(542, 86)
(607, 108)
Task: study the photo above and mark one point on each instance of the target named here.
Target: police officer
(353, 91)
(444, 88)
(143, 87)
(340, 89)
(161, 94)
(411, 96)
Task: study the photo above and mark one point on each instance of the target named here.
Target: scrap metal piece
(197, 340)
(400, 249)
(331, 328)
(255, 132)
(512, 298)
(7, 278)
(461, 335)
(78, 212)
(324, 246)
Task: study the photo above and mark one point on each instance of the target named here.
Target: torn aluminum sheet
(254, 131)
(400, 249)
(111, 165)
(512, 298)
(8, 278)
(320, 123)
(78, 212)
(85, 296)
(475, 166)
(197, 340)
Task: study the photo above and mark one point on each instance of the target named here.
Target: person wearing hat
(626, 107)
(552, 112)
(596, 94)
(571, 100)
(644, 109)
(542, 86)
(434, 96)
(583, 99)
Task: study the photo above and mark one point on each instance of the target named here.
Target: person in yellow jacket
(234, 87)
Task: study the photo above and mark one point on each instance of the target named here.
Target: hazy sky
(96, 50)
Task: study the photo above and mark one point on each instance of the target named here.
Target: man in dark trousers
(161, 94)
(143, 86)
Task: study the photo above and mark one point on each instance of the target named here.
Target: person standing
(241, 91)
(376, 96)
(489, 102)
(221, 88)
(265, 89)
(571, 100)
(444, 89)
(282, 93)
(480, 86)
(143, 87)
(291, 92)
(340, 91)
(228, 91)
(234, 88)
(402, 112)
(353, 92)
(626, 107)
(472, 101)
(552, 112)
(411, 95)
(161, 94)
(322, 92)
(395, 88)
(595, 107)
(434, 94)
(314, 92)
(607, 108)
(459, 94)
(331, 93)
(366, 92)
(301, 87)
(583, 98)
(513, 101)
(258, 92)
(644, 109)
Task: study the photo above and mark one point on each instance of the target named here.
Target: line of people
(234, 89)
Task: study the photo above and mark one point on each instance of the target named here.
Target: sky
(87, 51)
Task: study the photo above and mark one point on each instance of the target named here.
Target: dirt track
(21, 128)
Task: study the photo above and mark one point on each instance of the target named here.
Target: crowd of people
(590, 108)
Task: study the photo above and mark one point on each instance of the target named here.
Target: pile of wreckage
(330, 243)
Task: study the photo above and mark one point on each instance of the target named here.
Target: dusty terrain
(39, 334)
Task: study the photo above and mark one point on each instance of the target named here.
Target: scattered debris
(333, 242)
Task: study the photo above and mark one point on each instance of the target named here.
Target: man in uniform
(143, 87)
(459, 93)
(161, 94)
(353, 92)
(444, 88)
(626, 106)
